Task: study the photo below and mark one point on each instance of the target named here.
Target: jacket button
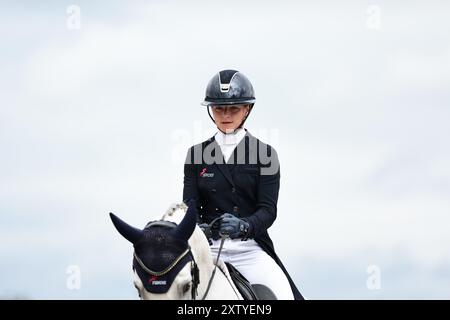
(213, 190)
(233, 190)
(235, 209)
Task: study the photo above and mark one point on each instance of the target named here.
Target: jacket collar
(231, 138)
(223, 167)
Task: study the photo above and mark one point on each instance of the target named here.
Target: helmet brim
(227, 103)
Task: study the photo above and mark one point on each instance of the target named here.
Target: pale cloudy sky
(354, 96)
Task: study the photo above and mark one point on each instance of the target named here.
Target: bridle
(194, 267)
(195, 275)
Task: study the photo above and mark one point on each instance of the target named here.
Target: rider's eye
(186, 287)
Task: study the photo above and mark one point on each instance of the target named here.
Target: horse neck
(220, 286)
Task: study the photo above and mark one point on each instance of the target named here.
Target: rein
(223, 236)
(215, 267)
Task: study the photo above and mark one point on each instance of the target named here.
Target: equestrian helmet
(229, 87)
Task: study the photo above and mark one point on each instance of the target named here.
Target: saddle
(247, 290)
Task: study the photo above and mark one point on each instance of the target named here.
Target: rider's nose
(227, 114)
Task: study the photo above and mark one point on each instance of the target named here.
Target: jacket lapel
(223, 167)
(240, 153)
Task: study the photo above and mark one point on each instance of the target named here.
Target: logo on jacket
(205, 174)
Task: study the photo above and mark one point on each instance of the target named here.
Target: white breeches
(255, 265)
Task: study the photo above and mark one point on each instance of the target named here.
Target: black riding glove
(233, 226)
(206, 230)
(210, 232)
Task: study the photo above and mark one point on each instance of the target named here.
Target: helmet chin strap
(240, 126)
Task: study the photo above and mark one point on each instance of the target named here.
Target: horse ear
(130, 233)
(186, 227)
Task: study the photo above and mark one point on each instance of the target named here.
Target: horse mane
(198, 241)
(173, 212)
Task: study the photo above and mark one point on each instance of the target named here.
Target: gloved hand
(233, 226)
(210, 232)
(206, 230)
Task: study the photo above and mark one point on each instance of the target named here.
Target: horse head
(164, 265)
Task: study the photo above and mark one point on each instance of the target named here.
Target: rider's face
(228, 118)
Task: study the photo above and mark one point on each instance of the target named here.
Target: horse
(172, 259)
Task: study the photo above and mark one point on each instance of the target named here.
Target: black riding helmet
(229, 87)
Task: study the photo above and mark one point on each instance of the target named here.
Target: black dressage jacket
(246, 186)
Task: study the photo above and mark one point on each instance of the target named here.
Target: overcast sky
(99, 103)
